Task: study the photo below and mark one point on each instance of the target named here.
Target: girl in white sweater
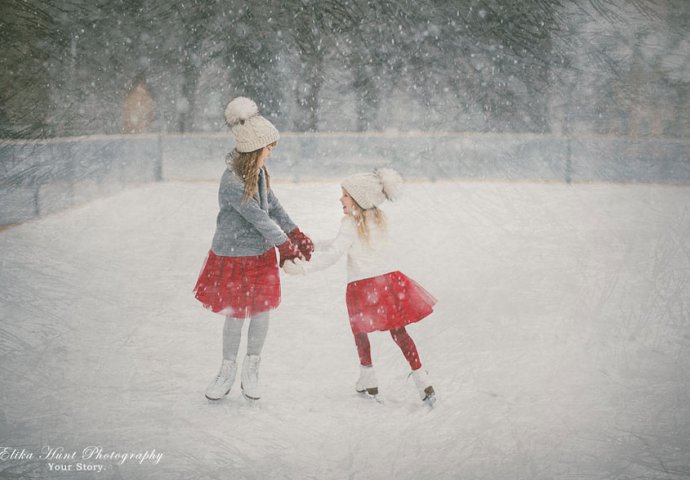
(379, 297)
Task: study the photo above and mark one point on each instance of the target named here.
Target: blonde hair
(245, 166)
(362, 221)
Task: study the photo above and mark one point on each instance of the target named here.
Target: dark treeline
(543, 66)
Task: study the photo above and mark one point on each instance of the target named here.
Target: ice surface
(560, 346)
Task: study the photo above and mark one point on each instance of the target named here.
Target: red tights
(400, 337)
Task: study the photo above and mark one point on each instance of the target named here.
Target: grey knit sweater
(249, 229)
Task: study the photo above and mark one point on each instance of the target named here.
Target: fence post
(568, 160)
(158, 165)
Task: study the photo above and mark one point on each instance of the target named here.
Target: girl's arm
(335, 249)
(280, 216)
(252, 213)
(278, 213)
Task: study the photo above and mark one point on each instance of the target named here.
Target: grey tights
(232, 334)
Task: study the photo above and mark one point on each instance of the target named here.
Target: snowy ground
(560, 347)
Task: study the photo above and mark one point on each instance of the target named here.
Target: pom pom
(391, 181)
(239, 110)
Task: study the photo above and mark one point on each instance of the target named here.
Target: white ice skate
(426, 391)
(221, 385)
(250, 377)
(367, 383)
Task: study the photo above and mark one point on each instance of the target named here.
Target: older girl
(240, 276)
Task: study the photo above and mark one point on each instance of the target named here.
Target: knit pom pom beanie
(370, 190)
(250, 130)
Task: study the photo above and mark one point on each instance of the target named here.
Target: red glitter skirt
(239, 286)
(386, 302)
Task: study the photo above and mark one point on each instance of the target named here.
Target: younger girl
(378, 296)
(240, 277)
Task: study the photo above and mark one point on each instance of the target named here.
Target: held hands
(288, 251)
(295, 267)
(304, 243)
(295, 249)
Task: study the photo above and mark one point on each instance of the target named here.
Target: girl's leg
(406, 344)
(367, 377)
(258, 330)
(363, 348)
(232, 334)
(420, 376)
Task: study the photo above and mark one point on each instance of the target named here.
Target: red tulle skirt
(386, 302)
(239, 286)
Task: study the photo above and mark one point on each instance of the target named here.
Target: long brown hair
(244, 164)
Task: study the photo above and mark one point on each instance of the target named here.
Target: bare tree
(489, 65)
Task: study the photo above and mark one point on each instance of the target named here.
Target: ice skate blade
(251, 399)
(219, 398)
(369, 391)
(364, 394)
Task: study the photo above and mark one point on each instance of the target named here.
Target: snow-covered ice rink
(559, 348)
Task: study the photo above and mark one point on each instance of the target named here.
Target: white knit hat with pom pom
(370, 190)
(251, 130)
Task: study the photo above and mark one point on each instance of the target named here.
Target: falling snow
(558, 348)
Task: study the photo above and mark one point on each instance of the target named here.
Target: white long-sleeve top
(365, 258)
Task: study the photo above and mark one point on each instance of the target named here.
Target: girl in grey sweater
(240, 276)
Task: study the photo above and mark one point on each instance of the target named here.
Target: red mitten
(288, 251)
(304, 243)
